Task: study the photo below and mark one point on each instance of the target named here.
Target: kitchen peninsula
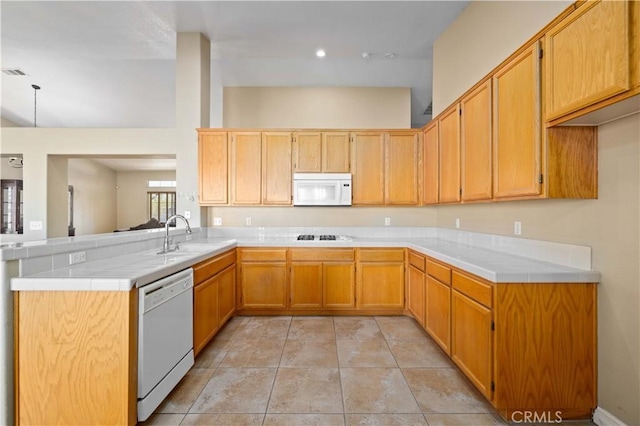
(517, 302)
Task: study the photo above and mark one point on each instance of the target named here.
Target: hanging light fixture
(35, 91)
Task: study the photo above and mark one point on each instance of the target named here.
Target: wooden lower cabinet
(438, 312)
(327, 285)
(380, 279)
(416, 287)
(263, 278)
(306, 285)
(205, 313)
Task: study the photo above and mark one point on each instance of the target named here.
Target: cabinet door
(263, 285)
(416, 294)
(476, 144)
(276, 168)
(246, 168)
(226, 294)
(338, 285)
(213, 160)
(381, 285)
(306, 284)
(438, 315)
(335, 152)
(307, 152)
(450, 155)
(401, 174)
(205, 313)
(471, 341)
(517, 127)
(367, 167)
(587, 57)
(430, 161)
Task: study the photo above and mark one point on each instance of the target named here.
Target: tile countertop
(138, 269)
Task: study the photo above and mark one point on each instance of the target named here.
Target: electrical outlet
(77, 257)
(187, 214)
(247, 221)
(35, 225)
(387, 221)
(217, 221)
(517, 228)
(457, 222)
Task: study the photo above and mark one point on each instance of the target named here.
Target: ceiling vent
(13, 71)
(429, 110)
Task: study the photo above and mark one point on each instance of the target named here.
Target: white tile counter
(488, 256)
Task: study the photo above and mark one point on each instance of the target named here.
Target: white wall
(7, 123)
(133, 207)
(94, 196)
(317, 107)
(481, 38)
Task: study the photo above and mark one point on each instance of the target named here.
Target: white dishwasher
(165, 338)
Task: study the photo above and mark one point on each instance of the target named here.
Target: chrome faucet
(166, 245)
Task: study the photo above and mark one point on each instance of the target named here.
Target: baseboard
(602, 417)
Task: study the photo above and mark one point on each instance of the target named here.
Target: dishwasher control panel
(165, 289)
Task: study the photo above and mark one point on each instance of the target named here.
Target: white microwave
(321, 189)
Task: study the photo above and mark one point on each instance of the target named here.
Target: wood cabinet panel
(380, 285)
(210, 267)
(381, 255)
(335, 152)
(517, 127)
(476, 146)
(416, 260)
(276, 168)
(307, 152)
(416, 294)
(450, 155)
(213, 167)
(438, 312)
(430, 164)
(226, 295)
(338, 285)
(263, 285)
(474, 289)
(246, 168)
(471, 341)
(587, 57)
(306, 285)
(439, 271)
(367, 168)
(266, 254)
(401, 177)
(205, 313)
(545, 349)
(302, 254)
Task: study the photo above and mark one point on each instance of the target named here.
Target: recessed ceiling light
(389, 55)
(366, 55)
(320, 53)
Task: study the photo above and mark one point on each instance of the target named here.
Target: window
(161, 184)
(11, 206)
(162, 205)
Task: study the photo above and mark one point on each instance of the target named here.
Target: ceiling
(112, 63)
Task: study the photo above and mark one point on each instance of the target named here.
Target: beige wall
(94, 196)
(323, 216)
(133, 208)
(317, 107)
(483, 36)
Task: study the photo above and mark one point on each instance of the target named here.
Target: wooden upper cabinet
(402, 159)
(450, 155)
(246, 168)
(517, 127)
(276, 168)
(430, 161)
(321, 152)
(335, 152)
(475, 128)
(307, 152)
(368, 168)
(586, 57)
(213, 167)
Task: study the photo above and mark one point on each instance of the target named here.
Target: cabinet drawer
(208, 268)
(322, 255)
(416, 260)
(381, 255)
(439, 271)
(476, 290)
(259, 255)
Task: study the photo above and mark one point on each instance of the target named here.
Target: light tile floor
(324, 371)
